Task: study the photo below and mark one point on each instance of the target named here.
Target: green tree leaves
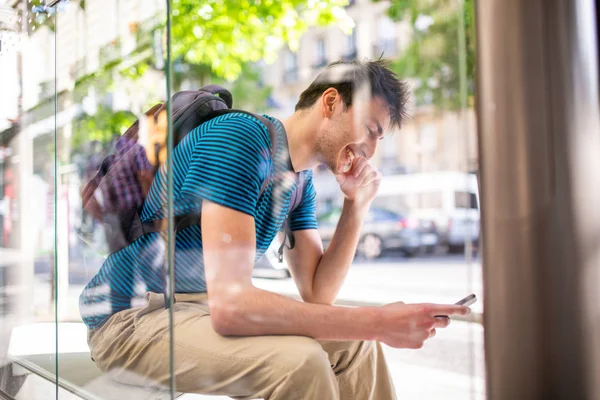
(226, 34)
(433, 56)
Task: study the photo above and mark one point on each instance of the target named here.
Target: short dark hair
(347, 77)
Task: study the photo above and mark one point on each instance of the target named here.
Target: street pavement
(427, 279)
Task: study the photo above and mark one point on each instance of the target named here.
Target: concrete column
(539, 128)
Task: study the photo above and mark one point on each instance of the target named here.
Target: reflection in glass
(93, 226)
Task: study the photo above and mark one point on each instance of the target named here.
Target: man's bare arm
(239, 309)
(319, 275)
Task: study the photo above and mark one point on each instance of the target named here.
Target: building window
(320, 54)
(351, 52)
(290, 67)
(387, 41)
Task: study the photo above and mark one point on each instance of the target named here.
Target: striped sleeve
(229, 163)
(304, 216)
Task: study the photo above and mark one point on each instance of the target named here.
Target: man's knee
(343, 354)
(298, 367)
(302, 357)
(367, 348)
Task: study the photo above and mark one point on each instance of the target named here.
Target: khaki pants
(133, 347)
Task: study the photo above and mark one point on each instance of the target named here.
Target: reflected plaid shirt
(121, 188)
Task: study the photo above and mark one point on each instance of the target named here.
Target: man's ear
(329, 101)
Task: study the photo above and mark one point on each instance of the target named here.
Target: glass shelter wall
(75, 165)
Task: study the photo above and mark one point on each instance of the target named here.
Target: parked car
(384, 230)
(449, 198)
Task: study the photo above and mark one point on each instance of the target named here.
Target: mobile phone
(467, 301)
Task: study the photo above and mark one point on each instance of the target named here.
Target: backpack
(115, 195)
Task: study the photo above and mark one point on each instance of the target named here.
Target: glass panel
(82, 181)
(112, 248)
(28, 105)
(426, 250)
(417, 221)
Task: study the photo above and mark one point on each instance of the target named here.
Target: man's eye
(374, 134)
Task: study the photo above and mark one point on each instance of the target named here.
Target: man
(230, 337)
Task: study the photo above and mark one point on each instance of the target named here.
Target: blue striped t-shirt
(226, 161)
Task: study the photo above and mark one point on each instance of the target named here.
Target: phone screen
(467, 301)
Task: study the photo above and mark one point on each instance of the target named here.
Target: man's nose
(368, 150)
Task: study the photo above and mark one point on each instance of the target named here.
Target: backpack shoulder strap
(295, 201)
(298, 192)
(296, 195)
(274, 144)
(301, 179)
(272, 130)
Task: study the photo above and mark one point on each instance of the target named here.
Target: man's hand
(361, 183)
(410, 325)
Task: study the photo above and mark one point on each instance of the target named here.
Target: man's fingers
(365, 172)
(432, 333)
(442, 322)
(446, 310)
(359, 166)
(368, 178)
(372, 177)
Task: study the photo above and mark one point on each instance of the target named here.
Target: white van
(449, 199)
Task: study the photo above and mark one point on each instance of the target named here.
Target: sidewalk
(429, 281)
